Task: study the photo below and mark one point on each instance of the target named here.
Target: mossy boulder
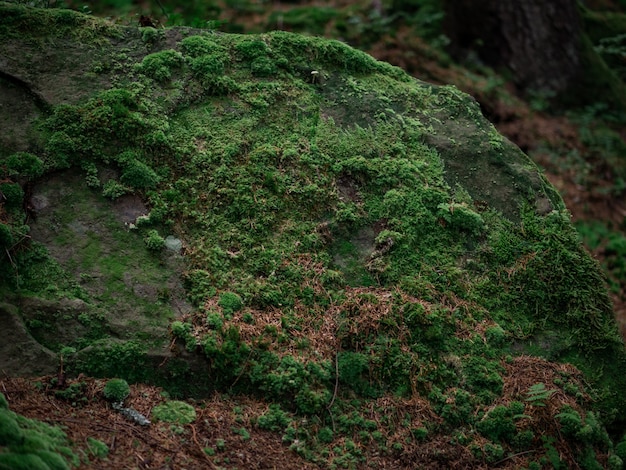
(376, 238)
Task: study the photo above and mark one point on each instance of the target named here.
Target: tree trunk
(538, 41)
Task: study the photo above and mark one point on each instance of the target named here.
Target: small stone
(173, 243)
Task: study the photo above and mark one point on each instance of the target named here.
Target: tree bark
(538, 41)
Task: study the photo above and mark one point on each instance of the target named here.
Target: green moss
(107, 358)
(197, 46)
(10, 433)
(160, 64)
(6, 236)
(12, 193)
(53, 460)
(19, 21)
(354, 372)
(154, 241)
(174, 412)
(230, 302)
(138, 175)
(263, 67)
(150, 35)
(116, 390)
(275, 419)
(208, 66)
(252, 49)
(24, 165)
(97, 448)
(113, 189)
(499, 425)
(31, 444)
(12, 461)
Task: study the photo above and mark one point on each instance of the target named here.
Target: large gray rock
(20, 353)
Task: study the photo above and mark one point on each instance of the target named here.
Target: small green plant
(97, 448)
(12, 193)
(113, 189)
(538, 394)
(214, 320)
(143, 221)
(243, 432)
(183, 330)
(496, 336)
(160, 64)
(208, 66)
(91, 174)
(620, 448)
(251, 49)
(196, 46)
(552, 453)
(62, 149)
(230, 302)
(354, 371)
(74, 393)
(138, 175)
(174, 411)
(199, 286)
(499, 424)
(150, 35)
(116, 390)
(6, 237)
(326, 435)
(263, 67)
(275, 419)
(462, 218)
(25, 165)
(154, 241)
(420, 434)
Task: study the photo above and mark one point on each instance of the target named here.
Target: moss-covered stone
(350, 233)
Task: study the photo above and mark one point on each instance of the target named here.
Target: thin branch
(332, 401)
(513, 456)
(163, 9)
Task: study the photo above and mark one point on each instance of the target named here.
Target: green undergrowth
(21, 21)
(351, 236)
(612, 243)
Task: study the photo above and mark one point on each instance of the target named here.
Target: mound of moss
(30, 444)
(355, 240)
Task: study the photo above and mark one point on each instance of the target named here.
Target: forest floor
(227, 434)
